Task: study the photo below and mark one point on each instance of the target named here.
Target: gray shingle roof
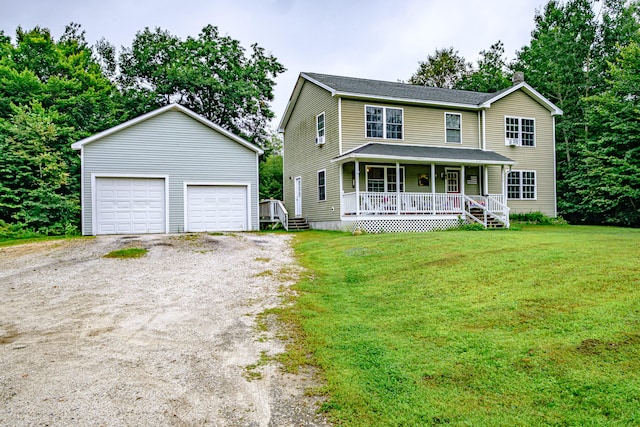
(377, 88)
(426, 153)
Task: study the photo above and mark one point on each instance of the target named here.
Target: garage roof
(175, 107)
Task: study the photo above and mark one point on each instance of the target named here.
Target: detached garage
(168, 171)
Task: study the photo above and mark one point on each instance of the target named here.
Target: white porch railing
(374, 203)
(273, 211)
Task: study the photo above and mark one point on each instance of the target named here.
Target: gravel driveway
(166, 339)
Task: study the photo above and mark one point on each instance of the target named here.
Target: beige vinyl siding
(421, 125)
(303, 158)
(540, 158)
(175, 145)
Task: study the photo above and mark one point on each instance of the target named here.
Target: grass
(127, 253)
(533, 327)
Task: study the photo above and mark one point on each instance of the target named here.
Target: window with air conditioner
(320, 128)
(520, 132)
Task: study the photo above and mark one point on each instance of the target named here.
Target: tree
(609, 185)
(445, 69)
(51, 94)
(492, 73)
(34, 175)
(271, 177)
(567, 62)
(210, 74)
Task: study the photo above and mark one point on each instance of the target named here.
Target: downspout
(340, 126)
(555, 182)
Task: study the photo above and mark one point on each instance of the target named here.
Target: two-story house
(385, 156)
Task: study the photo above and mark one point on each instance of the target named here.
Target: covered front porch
(419, 188)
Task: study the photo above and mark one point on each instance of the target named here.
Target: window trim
(324, 128)
(446, 128)
(403, 181)
(384, 122)
(324, 186)
(521, 185)
(520, 119)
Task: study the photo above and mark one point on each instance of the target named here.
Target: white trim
(384, 122)
(445, 127)
(340, 126)
(555, 182)
(318, 185)
(186, 184)
(94, 196)
(83, 204)
(484, 129)
(176, 107)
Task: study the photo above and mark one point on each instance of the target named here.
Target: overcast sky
(376, 39)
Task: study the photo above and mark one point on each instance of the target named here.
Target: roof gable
(171, 107)
(349, 87)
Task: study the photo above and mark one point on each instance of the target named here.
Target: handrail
(489, 207)
(505, 210)
(274, 211)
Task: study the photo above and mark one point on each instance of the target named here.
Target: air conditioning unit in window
(513, 142)
(320, 140)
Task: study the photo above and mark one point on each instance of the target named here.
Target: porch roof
(424, 154)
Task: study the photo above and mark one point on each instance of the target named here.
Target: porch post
(341, 190)
(398, 188)
(504, 185)
(485, 180)
(462, 194)
(433, 187)
(357, 175)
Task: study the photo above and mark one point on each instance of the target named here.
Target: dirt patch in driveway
(165, 339)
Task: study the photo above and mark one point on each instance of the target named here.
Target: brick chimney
(518, 77)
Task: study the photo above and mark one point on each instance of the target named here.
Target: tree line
(584, 57)
(56, 92)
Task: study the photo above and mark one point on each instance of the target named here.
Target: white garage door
(130, 205)
(216, 208)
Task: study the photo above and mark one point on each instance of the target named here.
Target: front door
(453, 187)
(453, 184)
(297, 191)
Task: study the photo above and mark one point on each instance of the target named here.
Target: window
(382, 122)
(453, 127)
(320, 128)
(322, 185)
(520, 131)
(383, 179)
(521, 185)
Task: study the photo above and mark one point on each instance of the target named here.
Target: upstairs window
(383, 122)
(520, 131)
(320, 128)
(521, 185)
(453, 127)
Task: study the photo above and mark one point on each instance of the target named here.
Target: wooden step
(297, 224)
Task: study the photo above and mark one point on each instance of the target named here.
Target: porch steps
(492, 221)
(298, 224)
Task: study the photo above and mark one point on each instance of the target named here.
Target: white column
(398, 188)
(357, 175)
(504, 185)
(485, 179)
(462, 178)
(341, 189)
(433, 187)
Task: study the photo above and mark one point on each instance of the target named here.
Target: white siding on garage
(130, 205)
(175, 145)
(216, 208)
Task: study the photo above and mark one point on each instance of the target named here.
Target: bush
(537, 218)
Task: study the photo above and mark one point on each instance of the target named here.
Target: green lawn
(493, 328)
